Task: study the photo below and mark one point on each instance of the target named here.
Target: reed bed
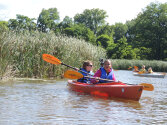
(22, 52)
(21, 55)
(158, 66)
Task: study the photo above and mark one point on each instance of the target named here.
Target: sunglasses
(90, 65)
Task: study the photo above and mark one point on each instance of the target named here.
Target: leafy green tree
(104, 40)
(131, 34)
(13, 24)
(120, 31)
(80, 32)
(22, 23)
(121, 50)
(48, 20)
(149, 30)
(92, 19)
(67, 22)
(144, 52)
(105, 29)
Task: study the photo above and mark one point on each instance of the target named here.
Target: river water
(50, 102)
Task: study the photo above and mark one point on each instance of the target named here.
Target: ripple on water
(50, 102)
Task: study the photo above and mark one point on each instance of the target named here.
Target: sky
(118, 11)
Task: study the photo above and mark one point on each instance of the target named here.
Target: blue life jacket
(104, 75)
(85, 80)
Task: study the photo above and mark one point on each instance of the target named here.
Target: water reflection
(84, 99)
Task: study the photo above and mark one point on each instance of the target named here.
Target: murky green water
(49, 102)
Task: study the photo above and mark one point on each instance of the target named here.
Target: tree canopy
(48, 19)
(144, 37)
(149, 30)
(22, 23)
(92, 19)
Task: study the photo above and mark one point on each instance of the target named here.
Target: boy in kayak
(143, 70)
(150, 70)
(105, 72)
(87, 68)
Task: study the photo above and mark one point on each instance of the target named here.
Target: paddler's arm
(97, 75)
(113, 77)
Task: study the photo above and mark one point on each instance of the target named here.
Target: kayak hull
(108, 90)
(155, 75)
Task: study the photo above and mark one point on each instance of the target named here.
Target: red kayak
(108, 90)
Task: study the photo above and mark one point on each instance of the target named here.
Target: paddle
(53, 60)
(136, 67)
(129, 68)
(76, 75)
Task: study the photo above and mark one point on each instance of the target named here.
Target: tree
(105, 29)
(67, 22)
(91, 18)
(81, 32)
(120, 31)
(22, 23)
(121, 50)
(104, 40)
(48, 19)
(149, 30)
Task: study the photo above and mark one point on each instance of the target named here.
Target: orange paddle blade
(51, 59)
(135, 67)
(129, 68)
(73, 74)
(147, 86)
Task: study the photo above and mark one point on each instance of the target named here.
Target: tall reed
(21, 55)
(23, 52)
(159, 66)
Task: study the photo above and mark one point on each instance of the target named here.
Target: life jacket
(150, 71)
(85, 80)
(104, 75)
(143, 70)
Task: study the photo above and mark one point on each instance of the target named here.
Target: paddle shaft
(107, 80)
(74, 73)
(99, 78)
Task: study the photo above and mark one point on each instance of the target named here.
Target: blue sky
(117, 10)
